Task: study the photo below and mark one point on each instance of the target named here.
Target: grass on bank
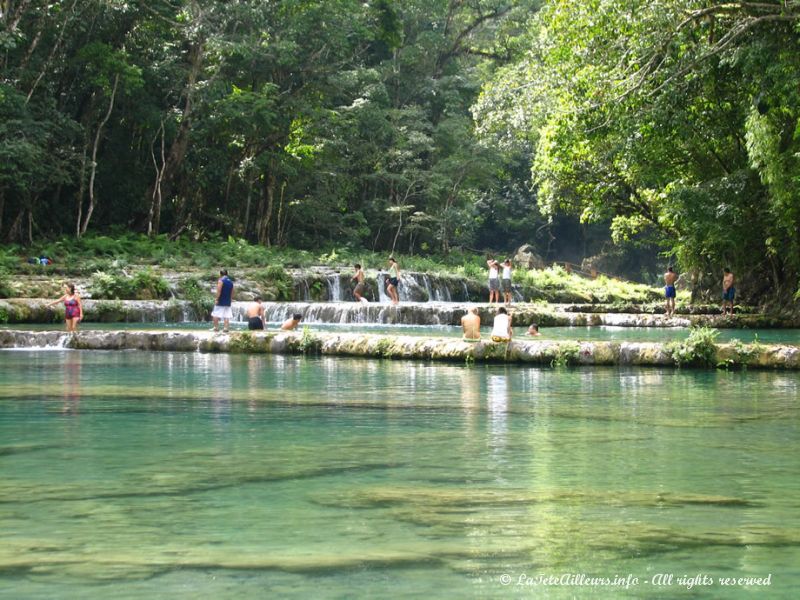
(132, 266)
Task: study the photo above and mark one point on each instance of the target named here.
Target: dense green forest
(414, 126)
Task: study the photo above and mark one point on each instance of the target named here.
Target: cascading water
(382, 295)
(335, 288)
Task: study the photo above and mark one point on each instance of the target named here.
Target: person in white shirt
(494, 280)
(501, 331)
(506, 283)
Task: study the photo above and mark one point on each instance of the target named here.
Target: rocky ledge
(32, 310)
(544, 352)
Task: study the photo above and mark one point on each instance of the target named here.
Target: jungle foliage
(675, 120)
(308, 124)
(283, 122)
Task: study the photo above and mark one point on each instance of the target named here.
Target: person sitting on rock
(501, 331)
(471, 324)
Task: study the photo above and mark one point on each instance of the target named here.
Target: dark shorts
(669, 291)
(729, 294)
(506, 285)
(359, 289)
(494, 285)
(393, 281)
(254, 323)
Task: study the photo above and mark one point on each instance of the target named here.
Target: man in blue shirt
(222, 302)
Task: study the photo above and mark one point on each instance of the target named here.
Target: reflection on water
(162, 475)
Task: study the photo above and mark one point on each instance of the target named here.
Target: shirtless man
(255, 315)
(670, 277)
(471, 324)
(292, 322)
(533, 330)
(358, 292)
(728, 291)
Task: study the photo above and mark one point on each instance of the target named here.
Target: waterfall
(427, 283)
(335, 288)
(382, 295)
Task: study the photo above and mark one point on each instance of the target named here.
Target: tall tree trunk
(81, 190)
(282, 220)
(30, 226)
(154, 214)
(15, 231)
(268, 204)
(2, 208)
(246, 224)
(53, 50)
(93, 171)
(180, 145)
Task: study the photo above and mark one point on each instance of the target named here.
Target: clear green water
(598, 333)
(145, 475)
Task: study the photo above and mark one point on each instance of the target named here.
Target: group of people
(728, 291)
(256, 319)
(392, 282)
(501, 331)
(501, 326)
(498, 283)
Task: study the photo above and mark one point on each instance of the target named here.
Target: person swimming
(292, 322)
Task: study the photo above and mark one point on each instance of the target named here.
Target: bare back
(471, 324)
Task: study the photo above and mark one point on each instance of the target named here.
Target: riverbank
(535, 352)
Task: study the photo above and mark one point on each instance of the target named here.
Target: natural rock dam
(544, 352)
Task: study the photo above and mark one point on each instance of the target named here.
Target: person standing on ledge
(494, 280)
(506, 281)
(501, 332)
(255, 315)
(728, 291)
(292, 323)
(358, 292)
(471, 324)
(670, 277)
(393, 280)
(73, 309)
(222, 302)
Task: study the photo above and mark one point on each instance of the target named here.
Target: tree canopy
(280, 121)
(674, 120)
(412, 126)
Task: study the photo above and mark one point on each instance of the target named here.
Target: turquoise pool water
(613, 333)
(144, 475)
